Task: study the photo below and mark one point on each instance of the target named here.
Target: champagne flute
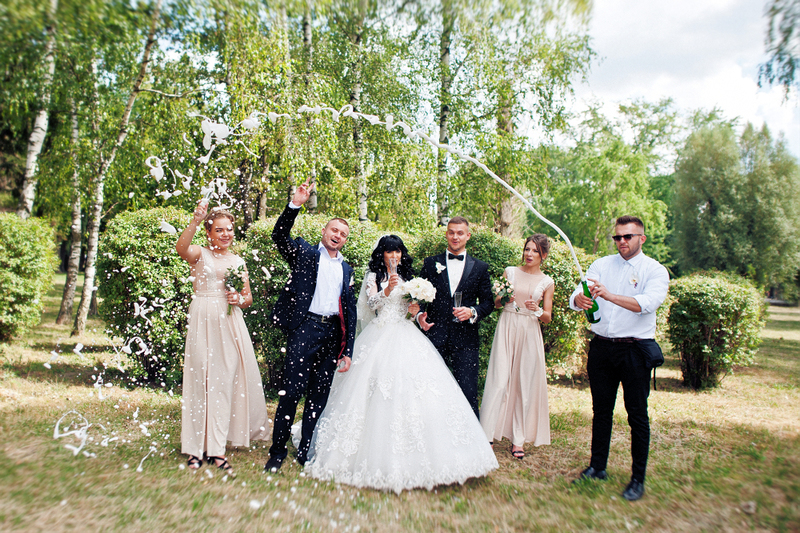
(392, 266)
(456, 303)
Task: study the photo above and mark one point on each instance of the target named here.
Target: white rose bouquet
(419, 290)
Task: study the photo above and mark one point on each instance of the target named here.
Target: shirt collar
(324, 252)
(448, 252)
(633, 261)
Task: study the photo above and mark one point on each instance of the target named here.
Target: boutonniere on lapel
(439, 267)
(352, 280)
(635, 282)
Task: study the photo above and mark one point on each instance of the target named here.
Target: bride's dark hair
(391, 243)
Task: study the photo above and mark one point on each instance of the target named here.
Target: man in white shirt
(628, 288)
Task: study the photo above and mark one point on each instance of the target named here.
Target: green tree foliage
(736, 205)
(783, 44)
(715, 323)
(597, 182)
(27, 265)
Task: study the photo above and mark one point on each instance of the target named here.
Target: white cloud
(701, 53)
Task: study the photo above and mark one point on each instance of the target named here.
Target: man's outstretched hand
(303, 193)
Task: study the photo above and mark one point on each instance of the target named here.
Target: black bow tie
(456, 257)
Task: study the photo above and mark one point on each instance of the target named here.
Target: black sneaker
(634, 490)
(274, 464)
(591, 473)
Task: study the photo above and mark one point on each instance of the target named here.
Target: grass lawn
(725, 460)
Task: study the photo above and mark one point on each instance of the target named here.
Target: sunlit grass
(722, 460)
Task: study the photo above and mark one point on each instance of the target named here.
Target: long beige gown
(515, 398)
(223, 398)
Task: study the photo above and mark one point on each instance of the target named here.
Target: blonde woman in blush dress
(223, 398)
(515, 398)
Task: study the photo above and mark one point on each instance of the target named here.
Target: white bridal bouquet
(419, 289)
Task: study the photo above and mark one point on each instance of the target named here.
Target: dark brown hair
(541, 241)
(629, 219)
(458, 220)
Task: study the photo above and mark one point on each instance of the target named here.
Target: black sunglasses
(627, 236)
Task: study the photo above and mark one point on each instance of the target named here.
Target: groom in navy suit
(455, 330)
(317, 311)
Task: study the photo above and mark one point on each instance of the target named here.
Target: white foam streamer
(152, 451)
(80, 431)
(166, 227)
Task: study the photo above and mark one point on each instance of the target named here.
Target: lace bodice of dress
(390, 309)
(209, 271)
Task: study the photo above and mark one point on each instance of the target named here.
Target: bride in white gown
(397, 419)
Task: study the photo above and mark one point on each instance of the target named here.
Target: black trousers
(609, 364)
(463, 362)
(311, 355)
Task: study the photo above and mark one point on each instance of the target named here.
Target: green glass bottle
(593, 309)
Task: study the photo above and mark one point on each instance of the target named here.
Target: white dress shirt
(325, 301)
(329, 284)
(455, 269)
(641, 278)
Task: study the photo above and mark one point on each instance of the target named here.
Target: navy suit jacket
(476, 291)
(295, 299)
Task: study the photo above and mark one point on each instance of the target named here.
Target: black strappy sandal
(224, 466)
(194, 462)
(518, 454)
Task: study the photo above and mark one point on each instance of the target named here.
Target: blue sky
(702, 53)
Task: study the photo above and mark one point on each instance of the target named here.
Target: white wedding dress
(397, 419)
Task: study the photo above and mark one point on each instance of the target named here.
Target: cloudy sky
(702, 53)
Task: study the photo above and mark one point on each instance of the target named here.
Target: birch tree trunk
(40, 125)
(445, 85)
(96, 212)
(65, 313)
(509, 213)
(308, 47)
(356, 39)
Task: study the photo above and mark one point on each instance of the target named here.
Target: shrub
(138, 268)
(714, 323)
(269, 272)
(27, 264)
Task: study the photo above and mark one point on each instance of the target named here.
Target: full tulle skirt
(397, 419)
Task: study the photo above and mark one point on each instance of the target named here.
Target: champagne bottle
(593, 309)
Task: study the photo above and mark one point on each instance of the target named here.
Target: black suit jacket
(295, 299)
(476, 291)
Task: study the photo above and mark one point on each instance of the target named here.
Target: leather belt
(617, 339)
(322, 319)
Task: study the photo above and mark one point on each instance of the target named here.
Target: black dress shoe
(633, 491)
(274, 464)
(591, 473)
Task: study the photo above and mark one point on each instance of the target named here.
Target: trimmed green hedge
(138, 266)
(715, 323)
(27, 265)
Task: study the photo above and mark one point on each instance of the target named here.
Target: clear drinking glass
(456, 303)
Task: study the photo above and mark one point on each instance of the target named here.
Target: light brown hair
(214, 215)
